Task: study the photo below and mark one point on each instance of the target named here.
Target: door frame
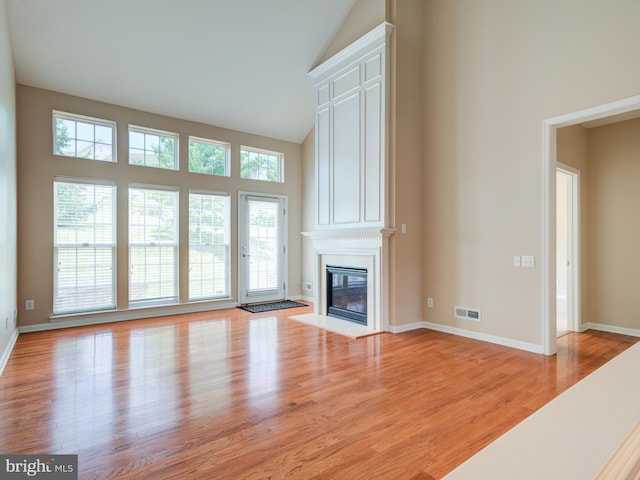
(549, 164)
(573, 246)
(285, 241)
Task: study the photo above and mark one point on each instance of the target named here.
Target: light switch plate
(528, 261)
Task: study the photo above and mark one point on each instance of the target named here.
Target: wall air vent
(467, 313)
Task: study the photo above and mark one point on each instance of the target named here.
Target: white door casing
(261, 247)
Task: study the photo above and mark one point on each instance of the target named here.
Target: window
(153, 246)
(84, 247)
(208, 246)
(208, 156)
(153, 148)
(261, 165)
(83, 137)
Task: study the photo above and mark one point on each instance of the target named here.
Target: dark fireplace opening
(347, 293)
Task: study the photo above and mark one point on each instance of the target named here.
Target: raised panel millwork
(323, 95)
(373, 164)
(323, 166)
(346, 160)
(346, 82)
(351, 129)
(373, 68)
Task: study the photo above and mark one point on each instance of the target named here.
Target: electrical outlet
(29, 304)
(528, 261)
(430, 302)
(306, 285)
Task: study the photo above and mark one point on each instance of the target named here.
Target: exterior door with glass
(261, 248)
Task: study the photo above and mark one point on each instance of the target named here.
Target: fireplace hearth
(347, 293)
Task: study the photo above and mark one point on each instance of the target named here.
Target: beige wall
(8, 246)
(614, 233)
(308, 209)
(407, 173)
(37, 167)
(494, 71)
(364, 16)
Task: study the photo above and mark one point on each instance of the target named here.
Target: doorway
(261, 248)
(567, 242)
(622, 108)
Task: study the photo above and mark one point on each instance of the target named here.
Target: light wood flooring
(234, 395)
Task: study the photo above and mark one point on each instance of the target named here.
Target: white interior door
(567, 250)
(261, 248)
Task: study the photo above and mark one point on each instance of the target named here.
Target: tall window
(84, 247)
(153, 246)
(207, 156)
(208, 246)
(153, 148)
(261, 165)
(83, 137)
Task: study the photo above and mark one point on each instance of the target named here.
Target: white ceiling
(238, 64)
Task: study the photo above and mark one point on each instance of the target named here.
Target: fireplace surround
(365, 249)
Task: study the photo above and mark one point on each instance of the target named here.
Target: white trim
(485, 337)
(407, 327)
(379, 34)
(371, 244)
(7, 351)
(549, 162)
(201, 191)
(241, 277)
(612, 329)
(78, 320)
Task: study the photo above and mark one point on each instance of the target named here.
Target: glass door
(261, 248)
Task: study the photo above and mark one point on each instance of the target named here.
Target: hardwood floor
(232, 395)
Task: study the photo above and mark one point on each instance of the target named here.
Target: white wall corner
(4, 359)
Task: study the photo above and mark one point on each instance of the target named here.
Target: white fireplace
(355, 248)
(352, 165)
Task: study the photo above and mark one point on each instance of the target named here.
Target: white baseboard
(611, 329)
(485, 337)
(123, 316)
(506, 342)
(407, 327)
(7, 351)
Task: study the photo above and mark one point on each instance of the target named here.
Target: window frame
(74, 117)
(226, 244)
(84, 246)
(159, 133)
(260, 151)
(174, 245)
(214, 143)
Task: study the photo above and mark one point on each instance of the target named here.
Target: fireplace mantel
(350, 234)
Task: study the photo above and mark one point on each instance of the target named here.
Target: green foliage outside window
(207, 158)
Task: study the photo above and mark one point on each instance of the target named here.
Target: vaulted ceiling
(238, 64)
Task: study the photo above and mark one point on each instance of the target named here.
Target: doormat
(267, 307)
